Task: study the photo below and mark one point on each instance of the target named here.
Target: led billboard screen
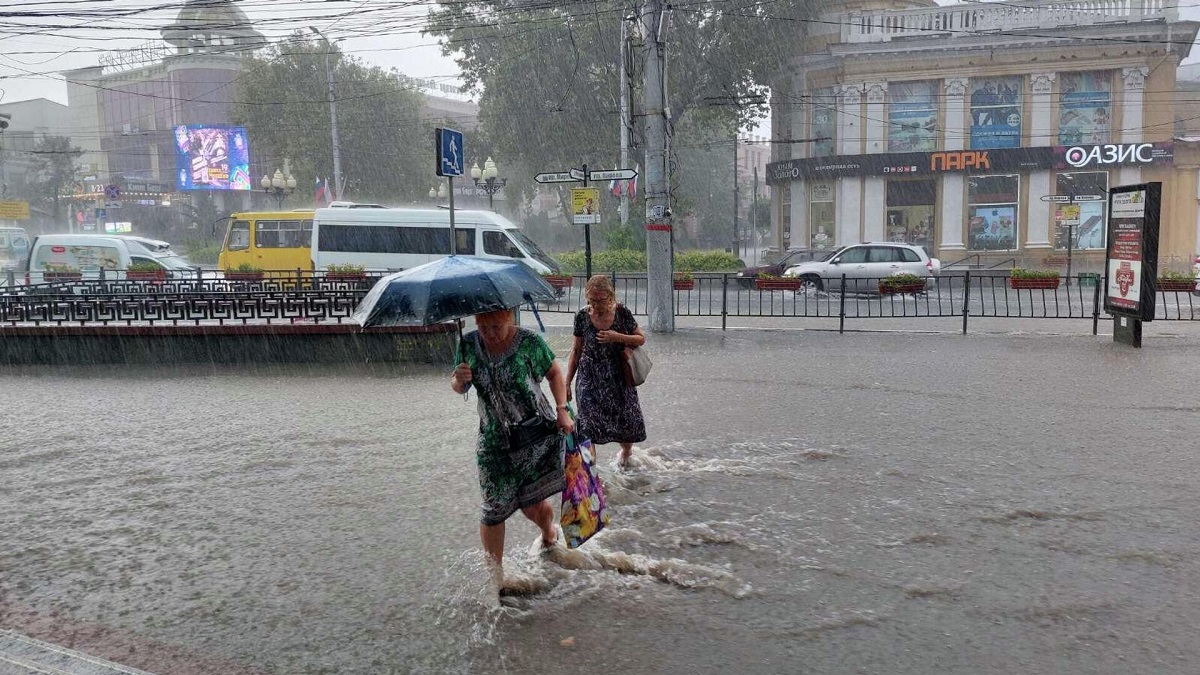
(211, 157)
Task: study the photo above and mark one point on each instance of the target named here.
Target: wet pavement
(889, 502)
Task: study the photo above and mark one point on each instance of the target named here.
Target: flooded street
(897, 503)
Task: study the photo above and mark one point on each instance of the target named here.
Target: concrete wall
(158, 345)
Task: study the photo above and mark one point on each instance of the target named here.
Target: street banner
(585, 206)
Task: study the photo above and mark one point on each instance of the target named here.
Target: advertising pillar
(1131, 259)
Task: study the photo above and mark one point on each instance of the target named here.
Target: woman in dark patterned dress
(609, 410)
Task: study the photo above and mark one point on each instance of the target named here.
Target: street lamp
(488, 179)
(279, 186)
(438, 193)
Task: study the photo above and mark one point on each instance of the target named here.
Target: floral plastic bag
(584, 511)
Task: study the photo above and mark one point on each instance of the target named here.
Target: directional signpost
(581, 212)
(448, 147)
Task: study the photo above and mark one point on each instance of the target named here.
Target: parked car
(864, 265)
(795, 256)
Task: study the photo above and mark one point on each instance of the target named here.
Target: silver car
(863, 265)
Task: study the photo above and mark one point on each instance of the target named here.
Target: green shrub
(143, 267)
(201, 252)
(707, 261)
(346, 268)
(625, 261)
(1169, 275)
(247, 267)
(1018, 273)
(902, 279)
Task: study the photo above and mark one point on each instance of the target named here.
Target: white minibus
(397, 239)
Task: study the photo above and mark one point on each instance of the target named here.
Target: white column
(874, 208)
(849, 119)
(1037, 230)
(876, 117)
(955, 113)
(1131, 118)
(953, 209)
(849, 142)
(799, 215)
(1041, 125)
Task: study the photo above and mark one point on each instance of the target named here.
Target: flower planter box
(1176, 286)
(777, 284)
(684, 285)
(62, 276)
(345, 276)
(1034, 284)
(156, 275)
(559, 282)
(894, 289)
(244, 276)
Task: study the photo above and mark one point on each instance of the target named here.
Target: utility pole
(339, 181)
(754, 216)
(624, 75)
(736, 240)
(660, 301)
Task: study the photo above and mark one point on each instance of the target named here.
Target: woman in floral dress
(506, 365)
(609, 410)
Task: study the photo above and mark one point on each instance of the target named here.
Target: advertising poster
(992, 228)
(1084, 222)
(995, 113)
(912, 117)
(585, 206)
(1085, 108)
(1125, 258)
(212, 158)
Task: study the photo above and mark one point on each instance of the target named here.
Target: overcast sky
(382, 32)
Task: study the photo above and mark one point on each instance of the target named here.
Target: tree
(386, 149)
(546, 74)
(55, 170)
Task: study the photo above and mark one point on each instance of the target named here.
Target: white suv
(863, 265)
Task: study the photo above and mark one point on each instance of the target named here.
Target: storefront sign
(971, 161)
(1132, 253)
(1084, 156)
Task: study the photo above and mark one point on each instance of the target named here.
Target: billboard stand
(1131, 259)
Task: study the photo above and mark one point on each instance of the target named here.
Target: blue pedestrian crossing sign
(449, 152)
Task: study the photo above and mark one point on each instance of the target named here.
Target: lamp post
(437, 193)
(488, 180)
(279, 186)
(339, 181)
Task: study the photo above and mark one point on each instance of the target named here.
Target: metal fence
(961, 296)
(288, 296)
(207, 298)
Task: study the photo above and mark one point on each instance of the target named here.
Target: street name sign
(577, 174)
(1057, 199)
(616, 174)
(1089, 198)
(560, 177)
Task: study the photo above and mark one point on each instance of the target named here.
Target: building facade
(983, 131)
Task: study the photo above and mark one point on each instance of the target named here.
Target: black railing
(978, 295)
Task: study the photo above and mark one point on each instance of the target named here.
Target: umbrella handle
(536, 314)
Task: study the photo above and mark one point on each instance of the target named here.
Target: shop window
(992, 212)
(823, 107)
(1085, 107)
(910, 212)
(1082, 222)
(995, 112)
(821, 216)
(912, 117)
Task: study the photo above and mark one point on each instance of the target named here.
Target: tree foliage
(385, 146)
(55, 169)
(546, 76)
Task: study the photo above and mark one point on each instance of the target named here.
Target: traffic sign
(555, 178)
(577, 174)
(449, 145)
(1089, 198)
(617, 174)
(1057, 199)
(112, 196)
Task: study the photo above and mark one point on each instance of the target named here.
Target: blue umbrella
(450, 288)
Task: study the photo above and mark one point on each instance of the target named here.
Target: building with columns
(984, 128)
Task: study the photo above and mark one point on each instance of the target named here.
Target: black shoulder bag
(531, 431)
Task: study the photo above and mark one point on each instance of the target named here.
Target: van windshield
(533, 249)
